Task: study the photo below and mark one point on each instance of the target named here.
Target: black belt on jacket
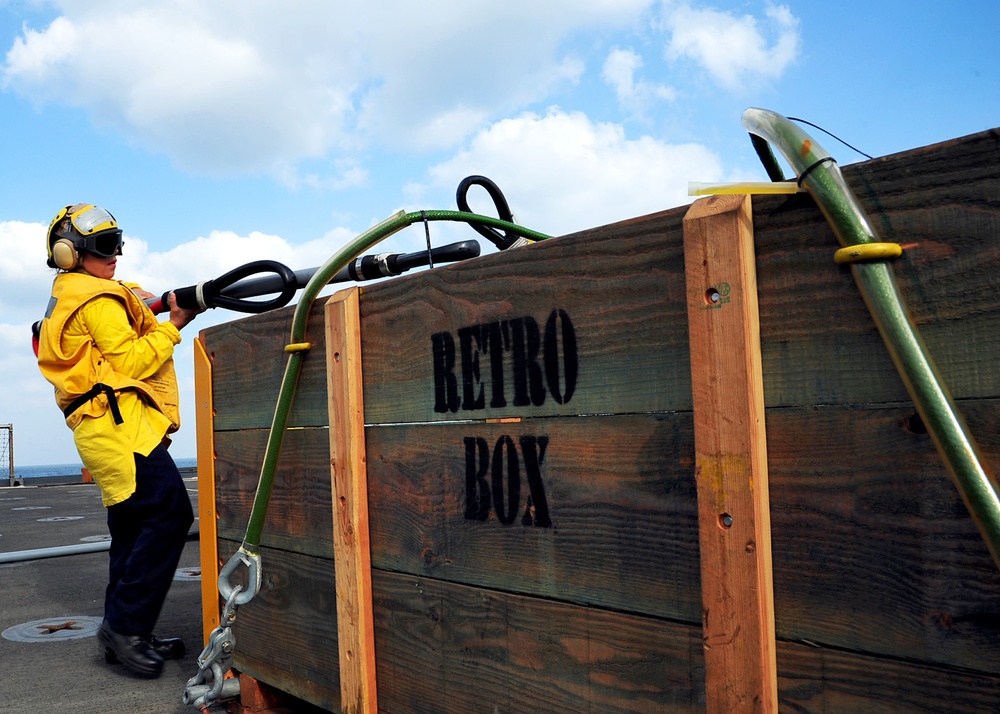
(97, 390)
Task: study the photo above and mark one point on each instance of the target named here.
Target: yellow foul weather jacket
(111, 363)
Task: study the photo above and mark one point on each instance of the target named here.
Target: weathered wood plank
(248, 361)
(446, 649)
(349, 481)
(299, 514)
(475, 333)
(813, 679)
(883, 532)
(612, 518)
(730, 457)
(286, 636)
(291, 683)
(421, 615)
(434, 639)
(819, 344)
(873, 548)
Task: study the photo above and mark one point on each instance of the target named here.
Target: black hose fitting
(209, 294)
(504, 240)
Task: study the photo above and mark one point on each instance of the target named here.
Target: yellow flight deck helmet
(82, 228)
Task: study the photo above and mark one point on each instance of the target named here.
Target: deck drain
(55, 519)
(53, 629)
(192, 573)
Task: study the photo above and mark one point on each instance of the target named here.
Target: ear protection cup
(64, 254)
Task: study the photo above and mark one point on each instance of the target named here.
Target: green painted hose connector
(819, 173)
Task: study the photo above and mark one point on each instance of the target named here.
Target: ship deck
(52, 606)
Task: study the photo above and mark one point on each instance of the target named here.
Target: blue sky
(223, 132)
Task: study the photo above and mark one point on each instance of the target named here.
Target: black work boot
(133, 651)
(166, 647)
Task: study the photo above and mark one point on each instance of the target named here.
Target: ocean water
(27, 472)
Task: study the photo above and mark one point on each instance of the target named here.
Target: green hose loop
(822, 178)
(319, 280)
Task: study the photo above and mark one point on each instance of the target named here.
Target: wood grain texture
(622, 287)
(730, 457)
(819, 344)
(299, 514)
(249, 359)
(876, 552)
(619, 492)
(452, 649)
(817, 680)
(883, 533)
(349, 484)
(287, 635)
(445, 648)
(291, 683)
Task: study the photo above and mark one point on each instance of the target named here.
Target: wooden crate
(532, 507)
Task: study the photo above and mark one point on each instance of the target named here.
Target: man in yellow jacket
(111, 363)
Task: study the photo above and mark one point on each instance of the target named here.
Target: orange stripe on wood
(207, 512)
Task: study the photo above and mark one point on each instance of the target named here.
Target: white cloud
(562, 172)
(24, 278)
(24, 292)
(209, 257)
(635, 96)
(734, 50)
(256, 86)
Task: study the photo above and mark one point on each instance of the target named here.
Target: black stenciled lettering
(525, 345)
(536, 364)
(445, 383)
(477, 490)
(537, 509)
(563, 392)
(469, 340)
(502, 492)
(497, 340)
(506, 504)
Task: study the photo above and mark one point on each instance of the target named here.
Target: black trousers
(148, 533)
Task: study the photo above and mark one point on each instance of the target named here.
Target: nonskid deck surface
(49, 656)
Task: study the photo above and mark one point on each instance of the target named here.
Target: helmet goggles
(105, 245)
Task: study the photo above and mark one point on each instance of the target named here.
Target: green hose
(289, 381)
(209, 684)
(822, 178)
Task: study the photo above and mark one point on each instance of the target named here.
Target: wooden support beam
(731, 457)
(207, 513)
(352, 550)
